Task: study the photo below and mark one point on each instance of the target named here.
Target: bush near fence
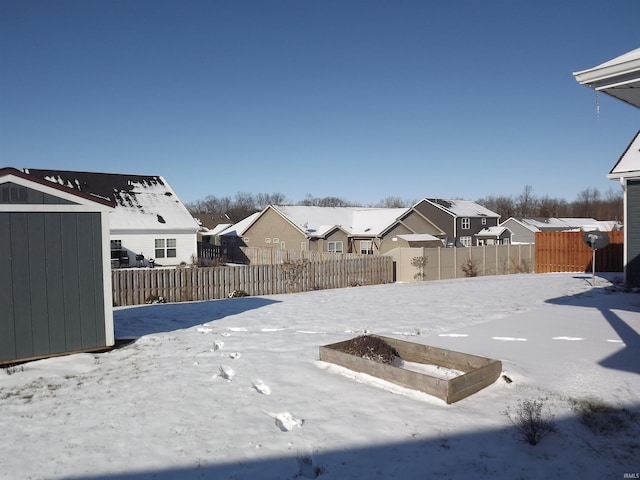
(137, 286)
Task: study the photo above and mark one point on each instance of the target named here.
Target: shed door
(51, 283)
(632, 268)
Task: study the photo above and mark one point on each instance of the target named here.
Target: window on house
(466, 223)
(366, 247)
(276, 240)
(116, 244)
(465, 241)
(506, 241)
(283, 246)
(303, 246)
(484, 220)
(335, 247)
(165, 248)
(267, 240)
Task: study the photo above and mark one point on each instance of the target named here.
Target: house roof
(319, 221)
(492, 232)
(142, 202)
(356, 221)
(619, 77)
(238, 229)
(461, 208)
(13, 174)
(542, 224)
(629, 162)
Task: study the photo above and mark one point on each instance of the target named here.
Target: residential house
(627, 172)
(55, 287)
(524, 229)
(494, 236)
(326, 229)
(620, 78)
(461, 220)
(150, 226)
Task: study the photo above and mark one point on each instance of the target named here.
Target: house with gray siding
(461, 220)
(55, 287)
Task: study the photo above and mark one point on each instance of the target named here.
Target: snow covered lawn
(233, 389)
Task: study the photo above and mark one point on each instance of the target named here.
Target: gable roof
(619, 77)
(461, 208)
(316, 222)
(142, 202)
(238, 229)
(492, 232)
(355, 221)
(629, 162)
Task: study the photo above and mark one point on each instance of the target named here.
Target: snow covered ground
(233, 389)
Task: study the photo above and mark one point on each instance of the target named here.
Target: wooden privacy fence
(136, 286)
(567, 252)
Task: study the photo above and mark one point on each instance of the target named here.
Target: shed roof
(9, 173)
(142, 202)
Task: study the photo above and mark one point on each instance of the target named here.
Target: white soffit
(619, 77)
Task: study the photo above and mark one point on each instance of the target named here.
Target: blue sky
(356, 99)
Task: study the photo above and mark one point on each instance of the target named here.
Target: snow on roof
(318, 221)
(491, 232)
(238, 229)
(564, 223)
(418, 237)
(217, 229)
(629, 162)
(142, 202)
(462, 208)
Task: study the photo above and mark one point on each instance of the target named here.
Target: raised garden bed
(464, 374)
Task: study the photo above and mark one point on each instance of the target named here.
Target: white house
(150, 225)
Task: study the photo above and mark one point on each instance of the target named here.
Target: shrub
(470, 268)
(603, 419)
(529, 421)
(420, 263)
(292, 271)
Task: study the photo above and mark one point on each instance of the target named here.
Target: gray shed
(55, 287)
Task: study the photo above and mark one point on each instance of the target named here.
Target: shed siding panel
(633, 233)
(20, 277)
(55, 286)
(7, 318)
(91, 284)
(38, 283)
(71, 281)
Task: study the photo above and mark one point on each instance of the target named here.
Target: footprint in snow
(286, 422)
(217, 345)
(227, 373)
(235, 355)
(261, 387)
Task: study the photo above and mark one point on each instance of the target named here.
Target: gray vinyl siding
(632, 268)
(53, 299)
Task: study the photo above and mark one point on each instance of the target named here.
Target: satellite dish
(596, 240)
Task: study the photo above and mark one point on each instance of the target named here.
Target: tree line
(589, 203)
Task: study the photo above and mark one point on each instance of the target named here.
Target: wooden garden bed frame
(479, 372)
